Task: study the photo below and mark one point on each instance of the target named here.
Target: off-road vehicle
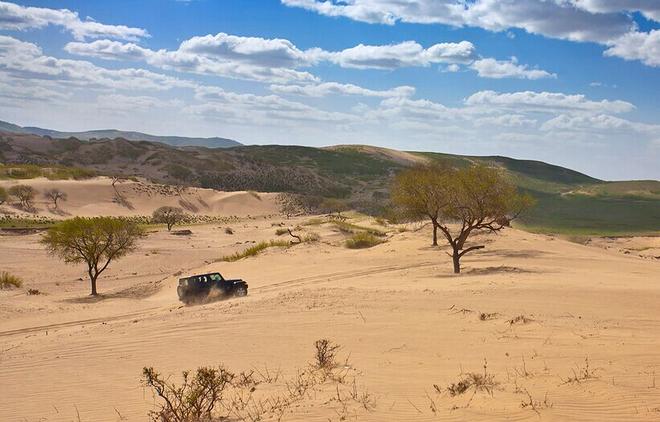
(199, 288)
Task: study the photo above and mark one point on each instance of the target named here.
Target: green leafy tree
(93, 241)
(420, 193)
(169, 216)
(479, 199)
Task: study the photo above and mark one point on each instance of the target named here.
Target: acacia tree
(334, 206)
(479, 198)
(55, 195)
(95, 241)
(420, 193)
(168, 215)
(25, 195)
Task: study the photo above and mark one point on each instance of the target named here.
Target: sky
(570, 82)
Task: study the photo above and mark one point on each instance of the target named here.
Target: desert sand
(98, 196)
(404, 321)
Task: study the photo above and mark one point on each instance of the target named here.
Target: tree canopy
(168, 215)
(94, 241)
(459, 202)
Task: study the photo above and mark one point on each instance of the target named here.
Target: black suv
(198, 288)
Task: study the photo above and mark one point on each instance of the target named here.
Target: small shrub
(8, 281)
(255, 250)
(281, 231)
(480, 382)
(312, 237)
(229, 230)
(193, 400)
(326, 353)
(33, 292)
(362, 240)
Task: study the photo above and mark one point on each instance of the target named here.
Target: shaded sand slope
(97, 196)
(405, 320)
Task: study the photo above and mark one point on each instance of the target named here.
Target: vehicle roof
(201, 275)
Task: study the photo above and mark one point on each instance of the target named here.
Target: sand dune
(405, 320)
(97, 196)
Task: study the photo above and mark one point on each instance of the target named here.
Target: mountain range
(567, 201)
(177, 141)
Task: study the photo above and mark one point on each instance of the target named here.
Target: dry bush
(312, 237)
(218, 395)
(520, 319)
(581, 373)
(326, 353)
(194, 400)
(533, 404)
(473, 380)
(229, 230)
(281, 231)
(487, 316)
(33, 292)
(362, 240)
(9, 281)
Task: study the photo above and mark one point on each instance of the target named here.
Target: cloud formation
(607, 22)
(497, 69)
(19, 18)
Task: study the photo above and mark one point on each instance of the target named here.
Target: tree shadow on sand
(139, 291)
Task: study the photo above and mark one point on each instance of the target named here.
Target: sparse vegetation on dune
(218, 394)
(8, 280)
(363, 240)
(31, 171)
(256, 250)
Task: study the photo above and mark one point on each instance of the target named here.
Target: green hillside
(568, 201)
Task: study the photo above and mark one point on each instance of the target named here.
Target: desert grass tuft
(255, 250)
(9, 281)
(363, 240)
(350, 228)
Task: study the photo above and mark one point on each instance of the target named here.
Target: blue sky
(569, 82)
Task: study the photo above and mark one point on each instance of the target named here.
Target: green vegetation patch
(31, 171)
(363, 240)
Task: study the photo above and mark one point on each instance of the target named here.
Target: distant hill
(568, 201)
(177, 141)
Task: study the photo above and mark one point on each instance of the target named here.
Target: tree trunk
(456, 257)
(94, 293)
(435, 233)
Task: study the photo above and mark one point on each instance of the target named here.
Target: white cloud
(643, 46)
(546, 102)
(25, 62)
(237, 60)
(607, 22)
(274, 52)
(329, 88)
(20, 18)
(649, 8)
(599, 122)
(277, 60)
(491, 68)
(405, 54)
(221, 105)
(557, 19)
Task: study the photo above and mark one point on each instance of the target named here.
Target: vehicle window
(215, 277)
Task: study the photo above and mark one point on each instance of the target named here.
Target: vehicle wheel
(240, 292)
